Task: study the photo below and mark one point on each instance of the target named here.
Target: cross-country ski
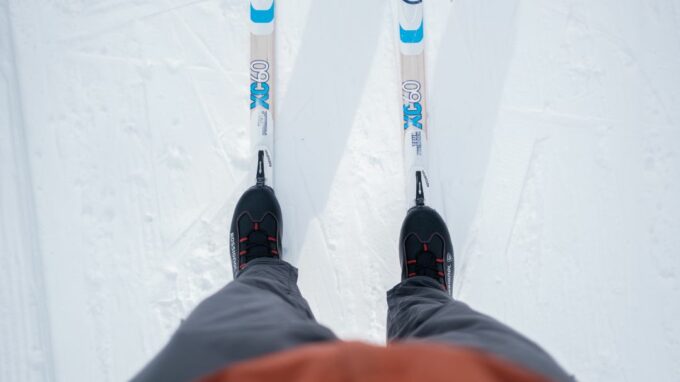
(262, 16)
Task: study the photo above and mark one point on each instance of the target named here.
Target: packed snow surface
(555, 135)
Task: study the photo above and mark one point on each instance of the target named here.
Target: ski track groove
(150, 235)
(32, 343)
(525, 180)
(158, 213)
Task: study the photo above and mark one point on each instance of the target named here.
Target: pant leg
(420, 310)
(260, 312)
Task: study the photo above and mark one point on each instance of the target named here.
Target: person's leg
(419, 309)
(260, 312)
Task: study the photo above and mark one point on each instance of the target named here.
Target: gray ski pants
(263, 312)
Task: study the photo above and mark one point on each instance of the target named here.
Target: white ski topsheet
(262, 66)
(414, 97)
(124, 145)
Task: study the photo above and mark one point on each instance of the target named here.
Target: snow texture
(555, 131)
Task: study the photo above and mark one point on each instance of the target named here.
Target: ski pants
(263, 312)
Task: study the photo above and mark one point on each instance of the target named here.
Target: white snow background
(555, 133)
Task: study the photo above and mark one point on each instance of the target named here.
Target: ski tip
(411, 36)
(262, 15)
(262, 12)
(411, 27)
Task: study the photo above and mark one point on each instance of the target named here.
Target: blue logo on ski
(262, 16)
(411, 36)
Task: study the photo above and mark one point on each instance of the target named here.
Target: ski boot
(425, 247)
(255, 227)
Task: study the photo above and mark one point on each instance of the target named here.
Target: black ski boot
(255, 227)
(425, 247)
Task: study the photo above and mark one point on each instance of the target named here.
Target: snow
(555, 159)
